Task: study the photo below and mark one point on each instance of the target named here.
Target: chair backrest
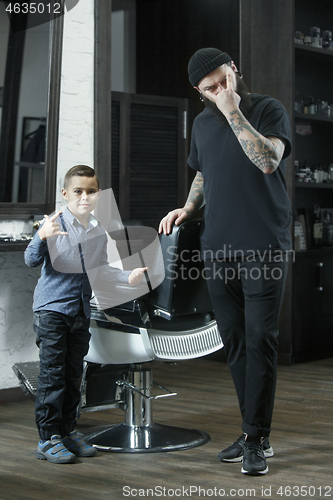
(184, 289)
(182, 323)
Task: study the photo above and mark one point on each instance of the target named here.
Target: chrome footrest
(27, 374)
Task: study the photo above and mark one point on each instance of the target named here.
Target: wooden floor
(301, 435)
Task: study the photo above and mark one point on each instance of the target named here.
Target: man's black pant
(247, 299)
(63, 342)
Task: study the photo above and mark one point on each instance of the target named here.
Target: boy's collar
(91, 219)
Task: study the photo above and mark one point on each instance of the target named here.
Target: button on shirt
(67, 261)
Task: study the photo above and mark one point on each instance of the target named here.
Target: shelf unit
(312, 271)
(314, 185)
(273, 64)
(314, 50)
(312, 67)
(315, 118)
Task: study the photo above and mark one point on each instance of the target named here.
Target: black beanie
(203, 62)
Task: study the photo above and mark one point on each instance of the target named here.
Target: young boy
(68, 244)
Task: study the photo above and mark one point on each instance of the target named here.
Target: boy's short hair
(82, 171)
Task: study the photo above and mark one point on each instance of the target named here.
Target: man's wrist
(189, 208)
(232, 114)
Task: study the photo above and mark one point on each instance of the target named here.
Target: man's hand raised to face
(227, 100)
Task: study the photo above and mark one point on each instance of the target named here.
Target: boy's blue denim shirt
(64, 285)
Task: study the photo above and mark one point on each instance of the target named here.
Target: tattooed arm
(264, 152)
(195, 199)
(193, 203)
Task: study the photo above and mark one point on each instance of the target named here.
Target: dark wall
(170, 31)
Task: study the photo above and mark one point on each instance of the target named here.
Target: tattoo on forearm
(265, 153)
(195, 198)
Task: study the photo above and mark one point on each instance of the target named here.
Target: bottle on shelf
(327, 39)
(299, 37)
(328, 228)
(299, 104)
(330, 172)
(324, 173)
(316, 39)
(316, 175)
(312, 106)
(317, 227)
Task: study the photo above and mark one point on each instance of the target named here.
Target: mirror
(30, 65)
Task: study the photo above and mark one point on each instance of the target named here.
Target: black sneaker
(234, 453)
(268, 450)
(254, 461)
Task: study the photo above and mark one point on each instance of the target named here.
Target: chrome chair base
(138, 433)
(123, 438)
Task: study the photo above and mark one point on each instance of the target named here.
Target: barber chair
(170, 323)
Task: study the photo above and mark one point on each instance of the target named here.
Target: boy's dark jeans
(63, 342)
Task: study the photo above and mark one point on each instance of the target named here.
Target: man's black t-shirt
(246, 211)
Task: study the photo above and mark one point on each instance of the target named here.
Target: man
(238, 148)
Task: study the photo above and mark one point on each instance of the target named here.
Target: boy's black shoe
(254, 461)
(75, 443)
(234, 453)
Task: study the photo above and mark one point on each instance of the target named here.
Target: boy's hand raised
(50, 227)
(136, 275)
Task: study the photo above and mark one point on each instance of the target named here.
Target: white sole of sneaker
(254, 472)
(269, 452)
(41, 456)
(232, 460)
